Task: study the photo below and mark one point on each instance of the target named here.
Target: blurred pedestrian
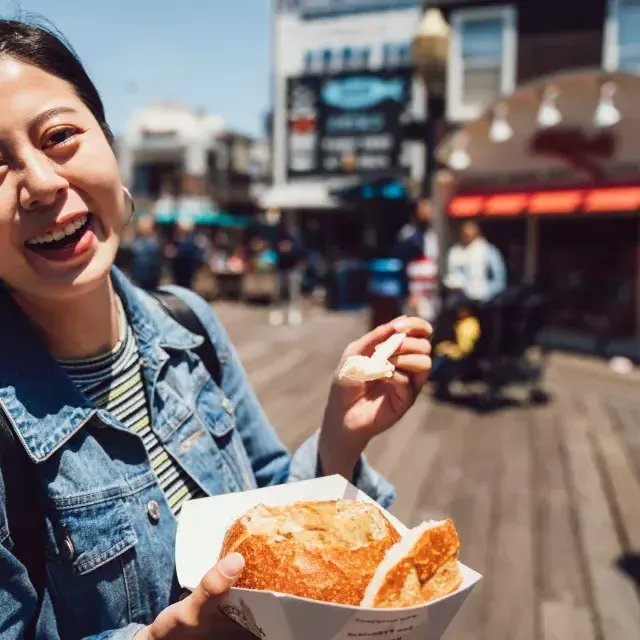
(418, 248)
(146, 255)
(185, 254)
(290, 264)
(475, 268)
(418, 238)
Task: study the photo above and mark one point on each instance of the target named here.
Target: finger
(416, 327)
(414, 380)
(414, 345)
(365, 346)
(218, 581)
(412, 363)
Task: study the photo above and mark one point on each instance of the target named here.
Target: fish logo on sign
(362, 92)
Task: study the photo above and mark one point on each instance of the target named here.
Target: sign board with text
(347, 123)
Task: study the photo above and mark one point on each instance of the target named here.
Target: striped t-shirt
(113, 381)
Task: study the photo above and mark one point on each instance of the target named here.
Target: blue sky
(209, 54)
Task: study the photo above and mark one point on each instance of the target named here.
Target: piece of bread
(377, 367)
(326, 550)
(421, 567)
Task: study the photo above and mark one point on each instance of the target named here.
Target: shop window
(395, 54)
(361, 58)
(308, 61)
(327, 58)
(347, 58)
(622, 36)
(482, 61)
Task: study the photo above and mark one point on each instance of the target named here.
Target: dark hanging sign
(348, 123)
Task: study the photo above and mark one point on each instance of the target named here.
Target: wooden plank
(565, 621)
(560, 579)
(387, 450)
(511, 587)
(416, 458)
(621, 482)
(475, 513)
(439, 488)
(627, 419)
(615, 599)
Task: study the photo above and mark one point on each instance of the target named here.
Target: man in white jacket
(475, 267)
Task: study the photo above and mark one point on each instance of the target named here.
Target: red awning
(555, 201)
(603, 200)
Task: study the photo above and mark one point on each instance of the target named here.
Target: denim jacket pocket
(216, 410)
(90, 565)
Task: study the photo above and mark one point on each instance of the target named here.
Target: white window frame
(611, 44)
(456, 109)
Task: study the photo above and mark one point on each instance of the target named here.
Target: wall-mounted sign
(323, 8)
(347, 123)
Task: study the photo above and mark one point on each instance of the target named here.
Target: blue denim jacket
(109, 564)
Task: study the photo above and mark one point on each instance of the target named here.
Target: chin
(72, 282)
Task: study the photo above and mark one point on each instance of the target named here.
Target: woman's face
(62, 208)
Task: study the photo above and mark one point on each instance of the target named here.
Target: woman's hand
(198, 615)
(356, 412)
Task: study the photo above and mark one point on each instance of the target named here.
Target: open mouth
(64, 238)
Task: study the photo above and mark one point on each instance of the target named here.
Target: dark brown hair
(48, 50)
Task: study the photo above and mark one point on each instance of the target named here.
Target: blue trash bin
(386, 290)
(347, 288)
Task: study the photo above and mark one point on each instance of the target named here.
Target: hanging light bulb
(606, 114)
(459, 159)
(548, 114)
(501, 130)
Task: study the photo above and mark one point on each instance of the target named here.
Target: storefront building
(343, 85)
(545, 148)
(181, 163)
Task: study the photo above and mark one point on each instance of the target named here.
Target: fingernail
(230, 566)
(401, 325)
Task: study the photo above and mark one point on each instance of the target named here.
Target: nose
(42, 183)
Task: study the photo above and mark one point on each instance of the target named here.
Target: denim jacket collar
(38, 397)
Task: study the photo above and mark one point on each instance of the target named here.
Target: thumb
(219, 579)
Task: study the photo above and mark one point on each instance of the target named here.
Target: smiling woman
(101, 390)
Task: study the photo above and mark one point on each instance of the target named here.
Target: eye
(61, 137)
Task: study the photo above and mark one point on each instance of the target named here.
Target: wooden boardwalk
(546, 499)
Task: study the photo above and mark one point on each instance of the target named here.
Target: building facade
(342, 86)
(545, 145)
(171, 154)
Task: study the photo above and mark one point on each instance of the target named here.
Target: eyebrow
(48, 115)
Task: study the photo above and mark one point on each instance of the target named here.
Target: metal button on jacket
(68, 550)
(227, 405)
(153, 509)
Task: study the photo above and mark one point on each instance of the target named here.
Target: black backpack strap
(24, 510)
(182, 313)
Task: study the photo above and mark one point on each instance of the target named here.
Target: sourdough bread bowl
(325, 550)
(421, 567)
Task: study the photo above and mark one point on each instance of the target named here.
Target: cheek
(95, 172)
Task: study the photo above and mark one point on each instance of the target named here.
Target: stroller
(509, 324)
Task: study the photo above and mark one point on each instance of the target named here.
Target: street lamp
(430, 52)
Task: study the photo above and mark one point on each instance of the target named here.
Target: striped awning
(559, 202)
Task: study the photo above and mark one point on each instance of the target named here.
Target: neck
(81, 327)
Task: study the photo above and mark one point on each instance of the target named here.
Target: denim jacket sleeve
(271, 462)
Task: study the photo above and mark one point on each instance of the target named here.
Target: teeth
(58, 234)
